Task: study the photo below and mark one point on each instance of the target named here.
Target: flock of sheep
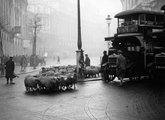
(92, 71)
(52, 79)
(56, 78)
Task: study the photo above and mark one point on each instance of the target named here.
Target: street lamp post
(34, 47)
(79, 52)
(108, 20)
(36, 27)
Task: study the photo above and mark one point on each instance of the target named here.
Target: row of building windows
(10, 46)
(13, 13)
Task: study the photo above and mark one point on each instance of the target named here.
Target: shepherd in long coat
(10, 66)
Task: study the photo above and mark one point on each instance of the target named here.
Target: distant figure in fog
(23, 63)
(121, 66)
(10, 66)
(87, 60)
(58, 60)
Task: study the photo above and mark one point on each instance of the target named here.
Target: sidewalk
(27, 70)
(30, 70)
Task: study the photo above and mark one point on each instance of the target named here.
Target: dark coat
(10, 66)
(87, 61)
(104, 59)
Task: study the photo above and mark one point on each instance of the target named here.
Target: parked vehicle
(140, 35)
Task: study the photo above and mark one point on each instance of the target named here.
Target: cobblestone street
(82, 60)
(93, 100)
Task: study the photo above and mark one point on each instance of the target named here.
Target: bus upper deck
(132, 21)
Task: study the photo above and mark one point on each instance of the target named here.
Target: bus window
(122, 23)
(159, 20)
(150, 19)
(135, 20)
(142, 19)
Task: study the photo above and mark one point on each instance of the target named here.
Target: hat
(119, 51)
(105, 52)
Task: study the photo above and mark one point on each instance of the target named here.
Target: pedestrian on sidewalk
(23, 63)
(10, 66)
(58, 60)
(87, 60)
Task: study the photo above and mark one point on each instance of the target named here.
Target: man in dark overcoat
(104, 62)
(10, 66)
(104, 59)
(87, 60)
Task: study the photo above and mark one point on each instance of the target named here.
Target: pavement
(27, 70)
(94, 100)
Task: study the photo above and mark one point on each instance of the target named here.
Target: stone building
(13, 27)
(153, 5)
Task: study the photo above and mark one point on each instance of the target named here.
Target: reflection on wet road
(93, 100)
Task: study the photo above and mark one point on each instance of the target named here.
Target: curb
(88, 80)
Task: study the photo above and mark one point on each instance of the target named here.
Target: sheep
(71, 81)
(92, 71)
(62, 82)
(56, 78)
(31, 83)
(48, 83)
(95, 71)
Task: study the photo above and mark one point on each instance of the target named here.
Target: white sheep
(48, 83)
(30, 83)
(92, 71)
(71, 81)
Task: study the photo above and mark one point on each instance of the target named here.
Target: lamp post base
(80, 64)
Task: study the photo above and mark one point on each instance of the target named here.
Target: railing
(128, 29)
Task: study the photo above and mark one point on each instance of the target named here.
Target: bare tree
(35, 26)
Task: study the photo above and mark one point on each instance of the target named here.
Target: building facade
(153, 5)
(43, 11)
(13, 26)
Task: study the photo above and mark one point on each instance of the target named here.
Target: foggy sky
(93, 24)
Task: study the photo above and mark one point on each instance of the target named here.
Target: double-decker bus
(141, 37)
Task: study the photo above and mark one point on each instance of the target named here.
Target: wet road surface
(93, 100)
